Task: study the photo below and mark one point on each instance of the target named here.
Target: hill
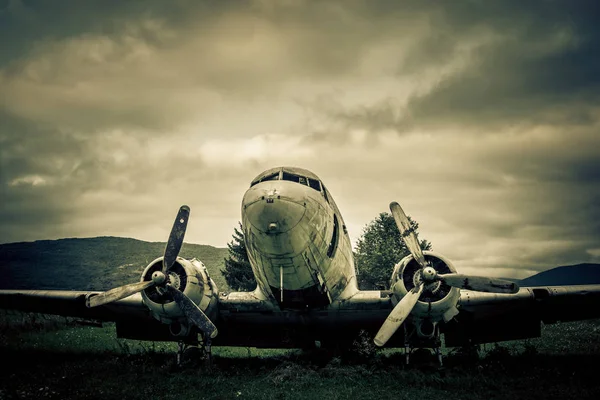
(99, 263)
(580, 274)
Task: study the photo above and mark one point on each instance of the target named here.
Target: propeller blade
(193, 312)
(408, 234)
(398, 315)
(479, 283)
(176, 238)
(117, 293)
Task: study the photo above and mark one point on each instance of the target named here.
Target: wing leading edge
(73, 304)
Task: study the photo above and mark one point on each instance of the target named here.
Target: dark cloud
(542, 57)
(30, 156)
(31, 22)
(517, 64)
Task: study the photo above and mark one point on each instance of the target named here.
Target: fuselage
(296, 239)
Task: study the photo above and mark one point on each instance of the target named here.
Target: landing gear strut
(192, 353)
(206, 343)
(407, 348)
(181, 346)
(413, 342)
(438, 353)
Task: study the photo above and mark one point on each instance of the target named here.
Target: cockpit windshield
(286, 176)
(271, 177)
(313, 183)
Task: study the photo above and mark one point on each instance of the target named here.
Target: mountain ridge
(577, 274)
(95, 263)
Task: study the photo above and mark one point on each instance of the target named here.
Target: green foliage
(238, 272)
(378, 249)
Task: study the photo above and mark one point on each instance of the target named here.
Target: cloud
(95, 82)
(481, 119)
(271, 148)
(158, 69)
(525, 65)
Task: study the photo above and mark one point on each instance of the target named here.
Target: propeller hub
(158, 277)
(429, 274)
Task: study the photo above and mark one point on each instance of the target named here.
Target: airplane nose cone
(273, 215)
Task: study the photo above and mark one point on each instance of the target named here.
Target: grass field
(51, 357)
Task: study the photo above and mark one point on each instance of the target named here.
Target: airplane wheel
(422, 358)
(191, 357)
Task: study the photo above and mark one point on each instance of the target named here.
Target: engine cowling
(190, 277)
(438, 300)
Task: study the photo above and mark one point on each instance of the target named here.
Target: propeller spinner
(161, 280)
(430, 276)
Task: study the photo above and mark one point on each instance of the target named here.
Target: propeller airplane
(307, 291)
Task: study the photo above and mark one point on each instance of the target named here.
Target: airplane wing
(549, 304)
(243, 317)
(73, 304)
(133, 318)
(490, 317)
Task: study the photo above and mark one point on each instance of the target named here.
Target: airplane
(301, 255)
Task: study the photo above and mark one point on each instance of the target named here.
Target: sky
(481, 118)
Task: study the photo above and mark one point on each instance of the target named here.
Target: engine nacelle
(190, 277)
(437, 302)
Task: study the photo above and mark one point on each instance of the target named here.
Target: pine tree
(378, 249)
(238, 272)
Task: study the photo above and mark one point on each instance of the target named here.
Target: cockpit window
(272, 177)
(290, 177)
(334, 238)
(325, 194)
(313, 183)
